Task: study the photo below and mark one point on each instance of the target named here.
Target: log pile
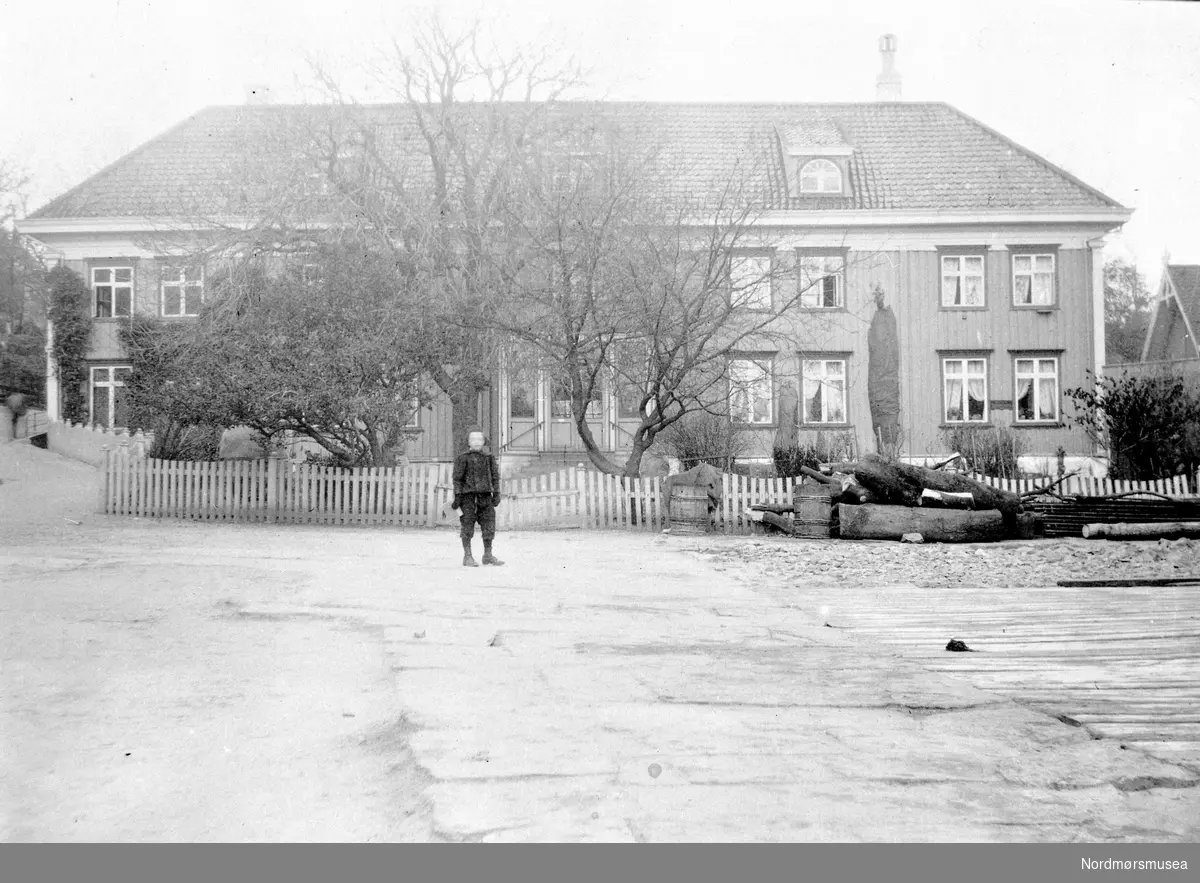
(885, 499)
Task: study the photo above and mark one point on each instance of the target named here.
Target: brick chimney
(887, 83)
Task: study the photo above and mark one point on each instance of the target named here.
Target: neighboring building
(1175, 318)
(1171, 346)
(990, 257)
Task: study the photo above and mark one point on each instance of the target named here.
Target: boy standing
(476, 495)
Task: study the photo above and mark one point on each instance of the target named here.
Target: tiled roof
(1186, 280)
(906, 156)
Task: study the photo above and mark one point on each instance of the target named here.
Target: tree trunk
(1167, 530)
(900, 484)
(871, 522)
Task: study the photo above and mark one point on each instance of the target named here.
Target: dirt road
(189, 682)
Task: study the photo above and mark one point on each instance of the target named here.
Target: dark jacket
(476, 472)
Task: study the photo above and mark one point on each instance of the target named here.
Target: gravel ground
(1007, 564)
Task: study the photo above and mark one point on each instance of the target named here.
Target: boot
(468, 558)
(488, 557)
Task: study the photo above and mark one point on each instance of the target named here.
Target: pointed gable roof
(1178, 301)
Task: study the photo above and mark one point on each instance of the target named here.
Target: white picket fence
(1177, 486)
(277, 490)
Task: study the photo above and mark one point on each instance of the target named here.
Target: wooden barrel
(814, 511)
(689, 510)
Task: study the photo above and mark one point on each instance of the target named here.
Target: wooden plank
(1133, 581)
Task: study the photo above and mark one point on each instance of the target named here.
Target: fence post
(104, 484)
(273, 489)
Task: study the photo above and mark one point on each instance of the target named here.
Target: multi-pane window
(112, 291)
(1033, 279)
(109, 405)
(823, 382)
(751, 396)
(822, 279)
(414, 414)
(962, 281)
(182, 290)
(750, 281)
(1037, 388)
(965, 390)
(820, 176)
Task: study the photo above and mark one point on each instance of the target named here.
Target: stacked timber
(1068, 518)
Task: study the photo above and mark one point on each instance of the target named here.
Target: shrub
(701, 437)
(179, 441)
(992, 451)
(69, 300)
(1150, 425)
(823, 448)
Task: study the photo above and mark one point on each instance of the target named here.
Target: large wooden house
(989, 256)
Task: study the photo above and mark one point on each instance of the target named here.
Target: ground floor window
(1037, 389)
(965, 390)
(824, 386)
(751, 392)
(109, 400)
(560, 404)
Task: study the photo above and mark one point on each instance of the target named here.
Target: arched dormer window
(820, 176)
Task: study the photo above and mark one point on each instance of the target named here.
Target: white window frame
(750, 281)
(114, 287)
(741, 385)
(817, 370)
(175, 276)
(812, 285)
(110, 384)
(954, 271)
(414, 414)
(964, 375)
(1033, 274)
(1035, 374)
(821, 173)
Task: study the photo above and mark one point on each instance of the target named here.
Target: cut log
(819, 476)
(891, 482)
(1167, 530)
(873, 522)
(946, 499)
(1134, 581)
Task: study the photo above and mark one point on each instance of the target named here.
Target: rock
(912, 538)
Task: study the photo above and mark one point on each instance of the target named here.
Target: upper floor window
(751, 394)
(822, 279)
(750, 281)
(182, 290)
(112, 291)
(820, 176)
(962, 280)
(1033, 280)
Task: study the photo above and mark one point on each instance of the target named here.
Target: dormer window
(820, 176)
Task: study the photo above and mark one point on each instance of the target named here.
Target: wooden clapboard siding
(434, 441)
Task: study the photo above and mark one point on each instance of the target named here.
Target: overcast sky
(1108, 90)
